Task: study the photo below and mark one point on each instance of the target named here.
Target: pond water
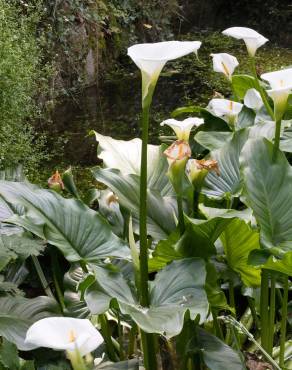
(113, 108)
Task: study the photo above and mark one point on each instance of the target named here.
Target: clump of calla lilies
(187, 173)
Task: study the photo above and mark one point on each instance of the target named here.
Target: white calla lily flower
(183, 128)
(224, 63)
(253, 100)
(152, 57)
(64, 333)
(281, 87)
(227, 109)
(253, 40)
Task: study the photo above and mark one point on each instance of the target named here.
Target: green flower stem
(149, 350)
(107, 338)
(56, 272)
(147, 339)
(42, 277)
(260, 89)
(231, 295)
(144, 299)
(272, 313)
(132, 340)
(277, 139)
(264, 309)
(216, 325)
(181, 221)
(76, 360)
(121, 343)
(284, 321)
(253, 311)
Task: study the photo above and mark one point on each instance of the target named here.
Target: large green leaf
(9, 355)
(17, 314)
(267, 190)
(75, 306)
(197, 241)
(228, 184)
(20, 245)
(123, 365)
(239, 240)
(245, 118)
(216, 354)
(213, 140)
(211, 212)
(177, 288)
(242, 83)
(79, 232)
(161, 208)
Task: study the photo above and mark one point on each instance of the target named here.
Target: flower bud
(55, 182)
(197, 170)
(177, 156)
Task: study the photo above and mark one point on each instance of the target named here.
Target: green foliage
(54, 227)
(20, 74)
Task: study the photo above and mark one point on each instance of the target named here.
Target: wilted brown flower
(55, 182)
(208, 164)
(177, 151)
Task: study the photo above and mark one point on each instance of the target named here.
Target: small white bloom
(224, 63)
(183, 128)
(253, 40)
(64, 333)
(151, 58)
(253, 100)
(281, 87)
(227, 109)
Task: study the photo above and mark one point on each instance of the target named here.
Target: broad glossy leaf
(177, 288)
(228, 184)
(239, 240)
(9, 355)
(20, 245)
(216, 296)
(79, 232)
(261, 258)
(267, 190)
(200, 236)
(123, 365)
(211, 212)
(75, 306)
(245, 118)
(286, 141)
(262, 129)
(213, 140)
(197, 241)
(216, 354)
(17, 314)
(161, 207)
(242, 83)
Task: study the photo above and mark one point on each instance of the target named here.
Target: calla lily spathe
(224, 63)
(253, 100)
(281, 86)
(253, 40)
(64, 333)
(151, 58)
(183, 128)
(227, 109)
